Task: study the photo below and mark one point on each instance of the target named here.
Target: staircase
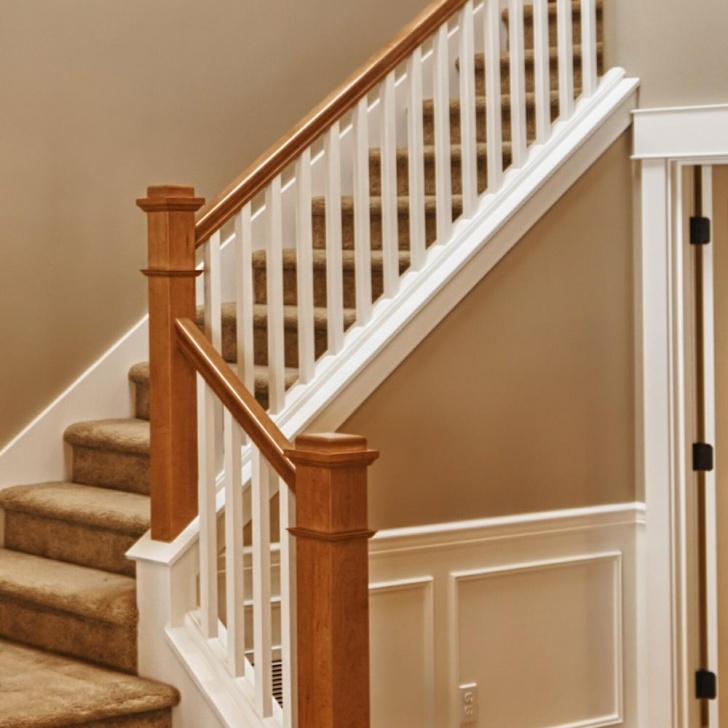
(68, 608)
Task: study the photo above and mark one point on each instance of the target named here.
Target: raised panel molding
(563, 582)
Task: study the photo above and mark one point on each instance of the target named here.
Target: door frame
(665, 141)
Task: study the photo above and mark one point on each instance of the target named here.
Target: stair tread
(552, 7)
(348, 257)
(118, 435)
(43, 690)
(69, 588)
(261, 372)
(375, 204)
(530, 54)
(105, 508)
(428, 105)
(428, 151)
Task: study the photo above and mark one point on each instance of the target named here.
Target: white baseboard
(37, 454)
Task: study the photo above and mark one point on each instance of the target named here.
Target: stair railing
(321, 615)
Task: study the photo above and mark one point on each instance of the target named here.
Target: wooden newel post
(173, 401)
(332, 572)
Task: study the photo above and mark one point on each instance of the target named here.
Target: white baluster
(304, 269)
(234, 520)
(388, 170)
(206, 405)
(274, 293)
(213, 287)
(288, 604)
(415, 155)
(493, 117)
(244, 299)
(262, 622)
(518, 82)
(468, 142)
(362, 214)
(588, 46)
(441, 101)
(334, 272)
(566, 59)
(541, 70)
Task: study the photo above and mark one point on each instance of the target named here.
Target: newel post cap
(171, 198)
(331, 449)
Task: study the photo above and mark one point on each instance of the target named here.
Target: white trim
(665, 140)
(37, 454)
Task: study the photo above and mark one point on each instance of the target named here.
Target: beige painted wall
(720, 253)
(101, 98)
(678, 49)
(522, 399)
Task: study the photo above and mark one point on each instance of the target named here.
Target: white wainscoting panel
(539, 610)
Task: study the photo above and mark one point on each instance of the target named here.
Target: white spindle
(518, 82)
(206, 407)
(234, 520)
(274, 293)
(415, 155)
(362, 214)
(388, 170)
(493, 118)
(262, 621)
(468, 142)
(566, 58)
(588, 46)
(288, 604)
(244, 299)
(441, 101)
(304, 269)
(213, 287)
(334, 272)
(541, 70)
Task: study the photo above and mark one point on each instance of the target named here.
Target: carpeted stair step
(79, 524)
(552, 20)
(428, 113)
(43, 690)
(375, 181)
(375, 206)
(68, 609)
(290, 271)
(111, 454)
(141, 382)
(529, 68)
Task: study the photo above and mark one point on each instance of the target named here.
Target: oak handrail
(237, 399)
(272, 162)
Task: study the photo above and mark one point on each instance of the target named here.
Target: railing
(295, 252)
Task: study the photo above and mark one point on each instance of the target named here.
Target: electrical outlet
(468, 697)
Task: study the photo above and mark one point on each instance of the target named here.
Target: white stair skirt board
(450, 604)
(37, 453)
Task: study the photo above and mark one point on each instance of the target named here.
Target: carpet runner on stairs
(68, 619)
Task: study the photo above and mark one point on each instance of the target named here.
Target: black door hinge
(702, 456)
(706, 685)
(699, 230)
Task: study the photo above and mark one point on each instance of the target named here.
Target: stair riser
(375, 180)
(109, 469)
(153, 719)
(92, 640)
(64, 541)
(347, 219)
(553, 26)
(141, 401)
(530, 78)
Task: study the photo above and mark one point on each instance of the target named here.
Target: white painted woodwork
(213, 285)
(566, 58)
(468, 144)
(516, 49)
(416, 170)
(262, 620)
(362, 215)
(441, 101)
(588, 46)
(388, 167)
(304, 269)
(542, 91)
(244, 296)
(493, 113)
(334, 272)
(207, 448)
(288, 605)
(274, 293)
(234, 520)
